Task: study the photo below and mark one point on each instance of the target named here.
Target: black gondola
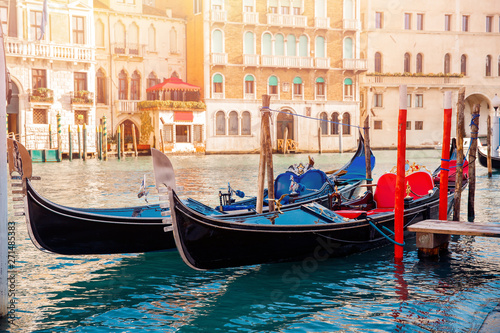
(483, 160)
(310, 232)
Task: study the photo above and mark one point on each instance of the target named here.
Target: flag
(45, 17)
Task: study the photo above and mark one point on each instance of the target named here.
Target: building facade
(431, 47)
(52, 73)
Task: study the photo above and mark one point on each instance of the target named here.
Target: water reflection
(157, 291)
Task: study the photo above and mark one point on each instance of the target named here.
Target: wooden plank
(456, 228)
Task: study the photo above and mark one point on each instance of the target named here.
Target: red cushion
(379, 210)
(420, 182)
(385, 192)
(352, 214)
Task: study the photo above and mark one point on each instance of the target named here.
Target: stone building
(305, 54)
(432, 47)
(51, 74)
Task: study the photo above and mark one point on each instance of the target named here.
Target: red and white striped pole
(445, 159)
(399, 205)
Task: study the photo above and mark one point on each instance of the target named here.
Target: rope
(267, 109)
(382, 233)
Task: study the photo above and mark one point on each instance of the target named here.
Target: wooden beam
(456, 228)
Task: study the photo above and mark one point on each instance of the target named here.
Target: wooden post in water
(341, 129)
(460, 154)
(399, 205)
(70, 144)
(50, 136)
(368, 154)
(162, 148)
(59, 141)
(84, 139)
(445, 158)
(319, 139)
(266, 159)
(79, 142)
(488, 143)
(134, 139)
(104, 139)
(285, 141)
(123, 139)
(472, 162)
(119, 143)
(99, 142)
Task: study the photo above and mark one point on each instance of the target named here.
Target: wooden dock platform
(434, 235)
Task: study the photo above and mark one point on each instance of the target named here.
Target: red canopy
(173, 83)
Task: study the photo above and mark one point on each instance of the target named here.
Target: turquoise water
(154, 292)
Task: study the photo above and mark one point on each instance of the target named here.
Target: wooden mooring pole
(488, 144)
(134, 139)
(119, 143)
(70, 144)
(460, 154)
(368, 155)
(472, 162)
(319, 140)
(400, 175)
(79, 142)
(266, 159)
(445, 158)
(59, 140)
(84, 139)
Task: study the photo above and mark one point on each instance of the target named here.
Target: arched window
(217, 84)
(279, 45)
(119, 38)
(323, 124)
(378, 62)
(249, 47)
(348, 48)
(249, 84)
(488, 65)
(233, 123)
(419, 68)
(173, 41)
(463, 64)
(122, 85)
(99, 34)
(217, 42)
(407, 63)
(152, 80)
(320, 47)
(348, 89)
(320, 8)
(297, 86)
(348, 10)
(246, 125)
(273, 85)
(346, 120)
(303, 46)
(220, 123)
(447, 63)
(133, 39)
(135, 86)
(335, 124)
(291, 46)
(267, 44)
(152, 38)
(101, 86)
(320, 87)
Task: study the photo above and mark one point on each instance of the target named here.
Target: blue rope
(307, 117)
(445, 159)
(382, 233)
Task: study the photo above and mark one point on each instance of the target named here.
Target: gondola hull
(483, 160)
(211, 243)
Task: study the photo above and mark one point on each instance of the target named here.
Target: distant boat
(483, 159)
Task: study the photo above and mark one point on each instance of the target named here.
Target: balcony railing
(129, 49)
(82, 97)
(125, 106)
(355, 64)
(287, 62)
(250, 17)
(296, 21)
(322, 62)
(219, 58)
(412, 80)
(219, 15)
(218, 95)
(251, 59)
(352, 24)
(45, 50)
(321, 22)
(41, 95)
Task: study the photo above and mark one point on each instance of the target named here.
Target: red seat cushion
(352, 214)
(385, 192)
(420, 182)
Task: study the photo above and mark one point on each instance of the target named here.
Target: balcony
(414, 81)
(322, 22)
(322, 63)
(189, 105)
(219, 15)
(287, 62)
(355, 64)
(126, 106)
(41, 95)
(250, 18)
(294, 21)
(129, 49)
(251, 60)
(352, 25)
(219, 58)
(44, 50)
(82, 97)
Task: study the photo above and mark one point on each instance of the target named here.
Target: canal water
(154, 292)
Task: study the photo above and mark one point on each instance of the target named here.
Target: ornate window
(323, 124)
(220, 123)
(334, 128)
(122, 85)
(135, 87)
(233, 123)
(346, 120)
(246, 123)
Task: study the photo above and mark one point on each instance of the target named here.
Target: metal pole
(400, 176)
(3, 186)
